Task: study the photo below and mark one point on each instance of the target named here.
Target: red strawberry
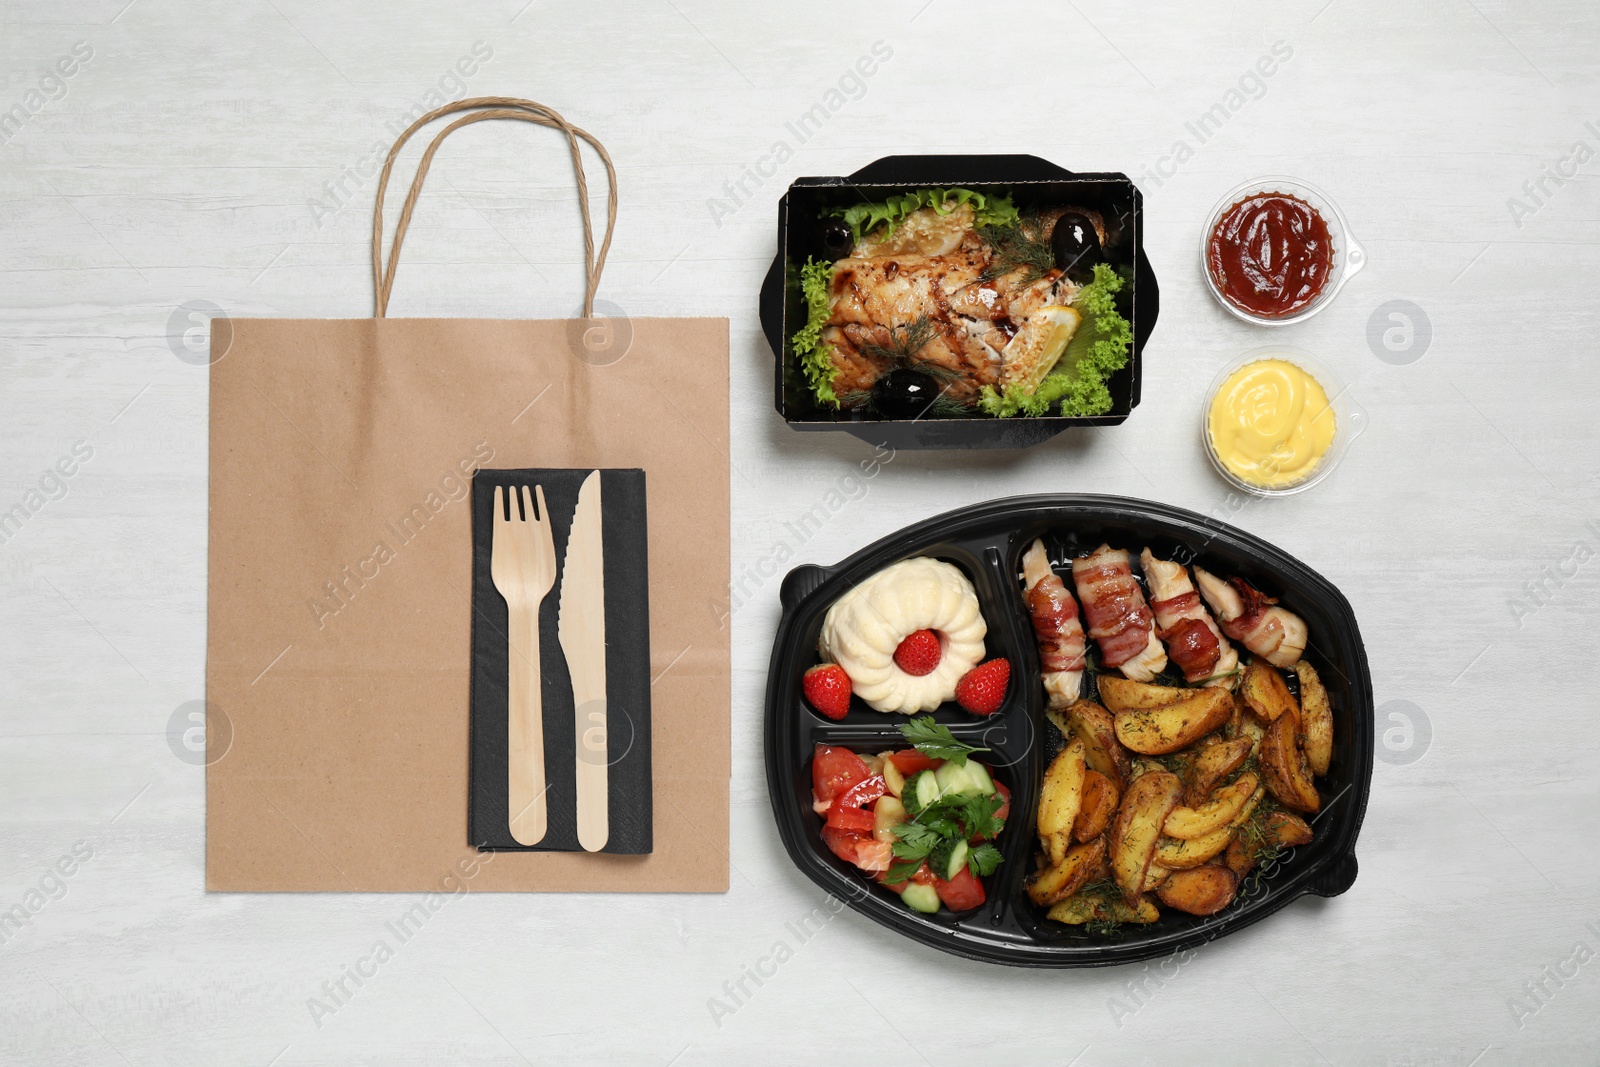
(828, 688)
(983, 689)
(919, 653)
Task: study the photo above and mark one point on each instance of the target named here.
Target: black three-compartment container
(987, 542)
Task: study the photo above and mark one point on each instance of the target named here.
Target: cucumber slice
(980, 777)
(924, 787)
(953, 779)
(921, 898)
(958, 860)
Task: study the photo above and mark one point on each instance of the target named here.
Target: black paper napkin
(622, 518)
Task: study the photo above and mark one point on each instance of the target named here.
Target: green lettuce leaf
(816, 358)
(1098, 350)
(867, 216)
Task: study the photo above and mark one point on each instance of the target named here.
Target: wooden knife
(581, 625)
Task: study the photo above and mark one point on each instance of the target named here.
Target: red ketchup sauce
(1270, 254)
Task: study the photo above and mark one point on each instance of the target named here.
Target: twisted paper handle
(484, 108)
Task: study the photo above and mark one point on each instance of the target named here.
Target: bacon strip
(1193, 639)
(1119, 619)
(1055, 626)
(1179, 607)
(1254, 619)
(1194, 648)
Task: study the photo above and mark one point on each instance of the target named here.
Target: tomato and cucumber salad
(920, 820)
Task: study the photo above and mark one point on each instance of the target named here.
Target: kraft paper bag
(340, 583)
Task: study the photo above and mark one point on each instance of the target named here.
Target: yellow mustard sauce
(1271, 424)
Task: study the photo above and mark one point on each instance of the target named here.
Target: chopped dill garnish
(1021, 246)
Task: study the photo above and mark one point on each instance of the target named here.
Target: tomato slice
(909, 761)
(961, 893)
(842, 842)
(874, 856)
(847, 812)
(858, 848)
(862, 793)
(854, 819)
(834, 770)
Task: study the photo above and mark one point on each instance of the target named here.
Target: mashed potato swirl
(864, 627)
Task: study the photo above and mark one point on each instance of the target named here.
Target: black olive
(837, 240)
(904, 394)
(1076, 246)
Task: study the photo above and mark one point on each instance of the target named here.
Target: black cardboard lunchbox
(1029, 180)
(987, 542)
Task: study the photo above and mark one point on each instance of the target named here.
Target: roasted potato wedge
(1251, 728)
(1265, 692)
(1169, 727)
(1143, 765)
(1217, 813)
(1176, 855)
(1154, 876)
(1122, 694)
(1249, 808)
(1078, 910)
(1212, 764)
(1137, 828)
(1316, 718)
(1278, 829)
(1099, 807)
(1200, 890)
(1093, 725)
(1060, 798)
(1284, 766)
(1285, 829)
(1240, 857)
(1060, 880)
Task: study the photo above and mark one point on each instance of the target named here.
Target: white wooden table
(214, 153)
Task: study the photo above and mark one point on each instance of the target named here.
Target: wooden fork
(523, 562)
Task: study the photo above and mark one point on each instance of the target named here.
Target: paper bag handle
(492, 107)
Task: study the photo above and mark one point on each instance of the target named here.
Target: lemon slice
(1036, 348)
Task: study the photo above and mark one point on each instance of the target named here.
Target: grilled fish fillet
(935, 267)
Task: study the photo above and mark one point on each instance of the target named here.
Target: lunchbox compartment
(1001, 641)
(858, 884)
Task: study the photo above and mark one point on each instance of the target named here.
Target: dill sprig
(1264, 861)
(903, 350)
(904, 342)
(1102, 889)
(1020, 246)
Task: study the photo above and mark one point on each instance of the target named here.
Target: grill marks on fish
(884, 294)
(974, 317)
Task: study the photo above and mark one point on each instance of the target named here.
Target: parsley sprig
(932, 833)
(936, 741)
